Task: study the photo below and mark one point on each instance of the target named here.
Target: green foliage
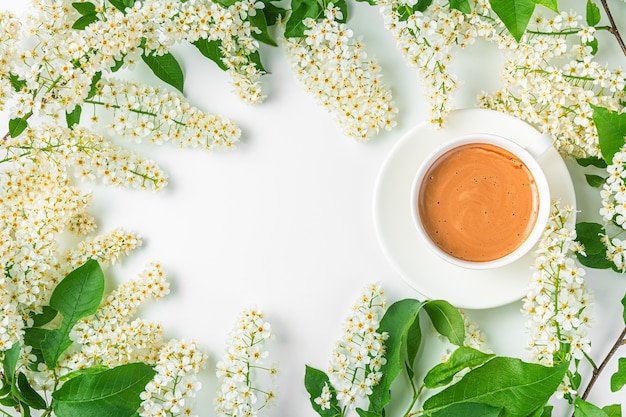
(611, 128)
(211, 50)
(613, 410)
(17, 126)
(77, 296)
(592, 161)
(515, 14)
(314, 382)
(113, 392)
(447, 320)
(462, 358)
(301, 10)
(461, 5)
(590, 236)
(519, 388)
(592, 13)
(73, 118)
(583, 408)
(88, 14)
(467, 410)
(618, 379)
(595, 181)
(550, 4)
(121, 5)
(167, 68)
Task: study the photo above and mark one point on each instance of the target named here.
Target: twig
(613, 29)
(621, 340)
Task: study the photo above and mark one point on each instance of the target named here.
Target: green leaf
(16, 82)
(365, 413)
(593, 44)
(592, 161)
(211, 50)
(46, 316)
(618, 379)
(468, 410)
(447, 320)
(550, 4)
(255, 58)
(300, 10)
(463, 357)
(611, 128)
(592, 13)
(114, 392)
(546, 411)
(17, 126)
(77, 296)
(28, 395)
(343, 7)
(273, 13)
(401, 323)
(33, 337)
(9, 362)
(515, 14)
(93, 88)
(121, 5)
(370, 2)
(614, 410)
(595, 181)
(314, 382)
(624, 305)
(590, 236)
(84, 7)
(583, 408)
(461, 5)
(82, 22)
(73, 118)
(263, 35)
(520, 388)
(167, 68)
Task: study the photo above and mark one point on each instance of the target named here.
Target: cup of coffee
(482, 201)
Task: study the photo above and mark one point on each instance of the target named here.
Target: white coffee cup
(482, 144)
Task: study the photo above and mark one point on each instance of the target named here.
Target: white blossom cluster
(9, 33)
(613, 209)
(159, 115)
(335, 69)
(88, 155)
(557, 304)
(427, 40)
(242, 391)
(552, 80)
(175, 383)
(359, 354)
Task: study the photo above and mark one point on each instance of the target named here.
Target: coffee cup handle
(539, 145)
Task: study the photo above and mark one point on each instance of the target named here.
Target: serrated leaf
(82, 22)
(17, 126)
(401, 323)
(583, 408)
(114, 392)
(595, 181)
(591, 161)
(9, 363)
(314, 382)
(301, 10)
(28, 395)
(73, 118)
(211, 50)
(515, 14)
(618, 379)
(550, 4)
(84, 7)
(77, 296)
(447, 320)
(518, 387)
(592, 13)
(462, 358)
(167, 68)
(611, 127)
(461, 5)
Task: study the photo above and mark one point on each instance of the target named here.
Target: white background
(284, 222)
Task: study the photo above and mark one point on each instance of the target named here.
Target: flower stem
(613, 29)
(621, 340)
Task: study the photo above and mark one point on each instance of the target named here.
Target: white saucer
(422, 269)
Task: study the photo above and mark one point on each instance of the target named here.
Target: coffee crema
(478, 202)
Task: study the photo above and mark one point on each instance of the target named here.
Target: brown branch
(621, 340)
(613, 29)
